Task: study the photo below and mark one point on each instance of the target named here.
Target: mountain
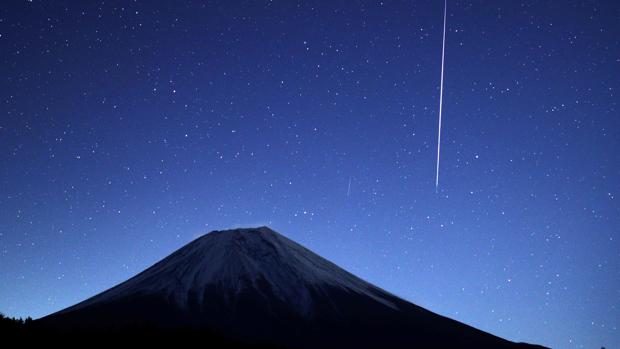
(258, 287)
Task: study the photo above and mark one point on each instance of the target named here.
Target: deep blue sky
(129, 128)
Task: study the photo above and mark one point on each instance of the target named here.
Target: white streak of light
(349, 188)
(443, 51)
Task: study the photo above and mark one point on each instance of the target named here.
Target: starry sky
(129, 128)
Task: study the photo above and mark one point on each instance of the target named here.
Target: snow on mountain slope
(256, 286)
(229, 260)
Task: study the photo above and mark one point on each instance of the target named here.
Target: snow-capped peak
(235, 261)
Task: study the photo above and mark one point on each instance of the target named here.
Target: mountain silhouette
(260, 288)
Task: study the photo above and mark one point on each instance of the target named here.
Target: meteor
(349, 187)
(443, 52)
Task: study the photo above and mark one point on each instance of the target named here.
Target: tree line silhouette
(14, 323)
(29, 331)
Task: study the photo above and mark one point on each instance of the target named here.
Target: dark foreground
(34, 333)
(30, 332)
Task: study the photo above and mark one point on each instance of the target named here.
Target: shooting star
(443, 51)
(349, 187)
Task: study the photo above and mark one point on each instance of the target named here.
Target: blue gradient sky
(129, 128)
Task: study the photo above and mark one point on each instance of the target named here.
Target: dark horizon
(127, 129)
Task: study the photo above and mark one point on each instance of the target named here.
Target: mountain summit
(257, 286)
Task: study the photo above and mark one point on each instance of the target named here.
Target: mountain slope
(257, 286)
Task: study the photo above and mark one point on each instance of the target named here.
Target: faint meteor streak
(443, 51)
(349, 187)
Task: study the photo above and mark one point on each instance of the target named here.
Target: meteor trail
(443, 51)
(349, 187)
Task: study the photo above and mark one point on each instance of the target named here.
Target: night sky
(127, 129)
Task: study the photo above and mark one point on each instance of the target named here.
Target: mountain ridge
(258, 286)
